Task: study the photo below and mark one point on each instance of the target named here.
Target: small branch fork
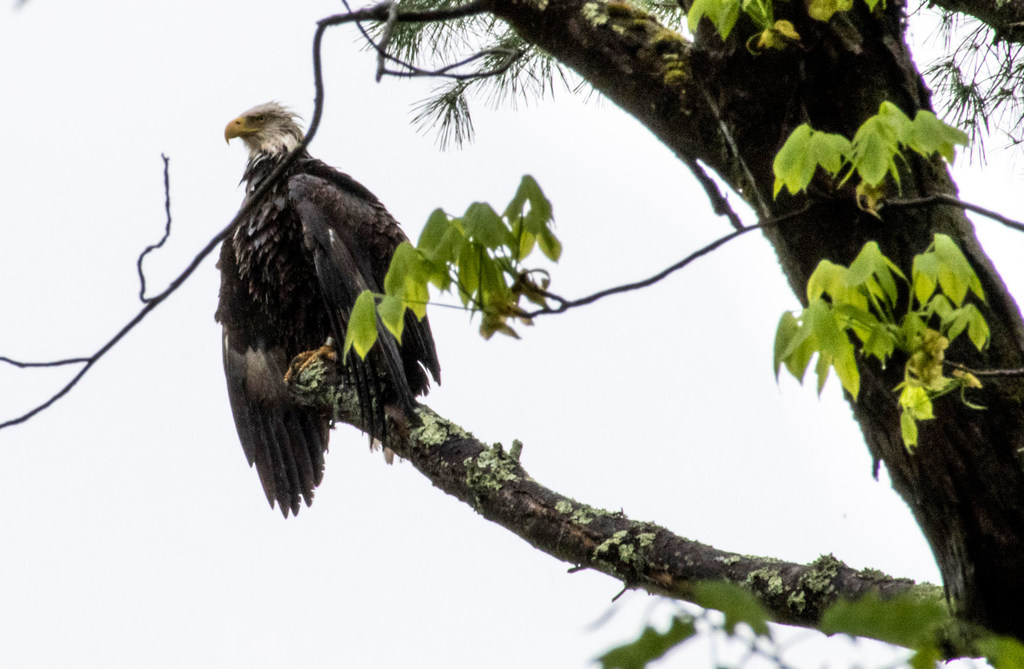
(448, 71)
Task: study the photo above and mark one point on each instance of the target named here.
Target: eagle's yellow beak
(237, 128)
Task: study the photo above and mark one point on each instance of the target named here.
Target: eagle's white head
(266, 128)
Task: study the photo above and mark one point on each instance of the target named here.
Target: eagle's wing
(286, 442)
(380, 234)
(340, 230)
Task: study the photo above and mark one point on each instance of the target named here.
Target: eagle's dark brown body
(290, 273)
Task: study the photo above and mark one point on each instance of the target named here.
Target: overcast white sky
(132, 533)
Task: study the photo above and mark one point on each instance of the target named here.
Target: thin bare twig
(48, 363)
(719, 204)
(986, 372)
(511, 56)
(565, 305)
(167, 230)
(944, 198)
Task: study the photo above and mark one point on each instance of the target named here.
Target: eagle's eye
(261, 118)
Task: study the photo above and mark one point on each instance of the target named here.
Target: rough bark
(643, 555)
(718, 103)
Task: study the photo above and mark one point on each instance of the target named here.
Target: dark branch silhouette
(167, 231)
(945, 198)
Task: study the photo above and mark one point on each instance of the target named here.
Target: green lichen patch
(434, 430)
(595, 13)
(766, 580)
(625, 552)
(491, 470)
(797, 601)
(311, 384)
(820, 579)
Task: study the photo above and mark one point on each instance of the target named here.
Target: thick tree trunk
(717, 103)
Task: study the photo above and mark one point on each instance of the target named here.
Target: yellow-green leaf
(392, 314)
(822, 10)
(361, 333)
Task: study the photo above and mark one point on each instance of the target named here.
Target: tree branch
(946, 198)
(640, 554)
(1005, 17)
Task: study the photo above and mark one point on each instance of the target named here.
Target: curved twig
(167, 231)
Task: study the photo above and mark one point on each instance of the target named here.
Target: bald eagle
(290, 272)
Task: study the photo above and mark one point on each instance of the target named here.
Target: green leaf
(930, 135)
(784, 333)
(485, 227)
(435, 232)
(956, 276)
(799, 358)
(827, 331)
(927, 656)
(362, 326)
(540, 215)
(392, 314)
(977, 328)
(875, 147)
(903, 620)
(1002, 652)
(468, 272)
(915, 401)
(737, 604)
(908, 430)
(549, 245)
(722, 13)
(876, 273)
(442, 239)
(925, 276)
(649, 646)
(821, 369)
(827, 278)
(407, 278)
(845, 364)
(803, 152)
(880, 342)
(494, 290)
(532, 221)
(760, 12)
(822, 10)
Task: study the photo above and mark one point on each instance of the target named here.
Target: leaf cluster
(912, 621)
(477, 256)
(872, 153)
(723, 14)
(862, 300)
